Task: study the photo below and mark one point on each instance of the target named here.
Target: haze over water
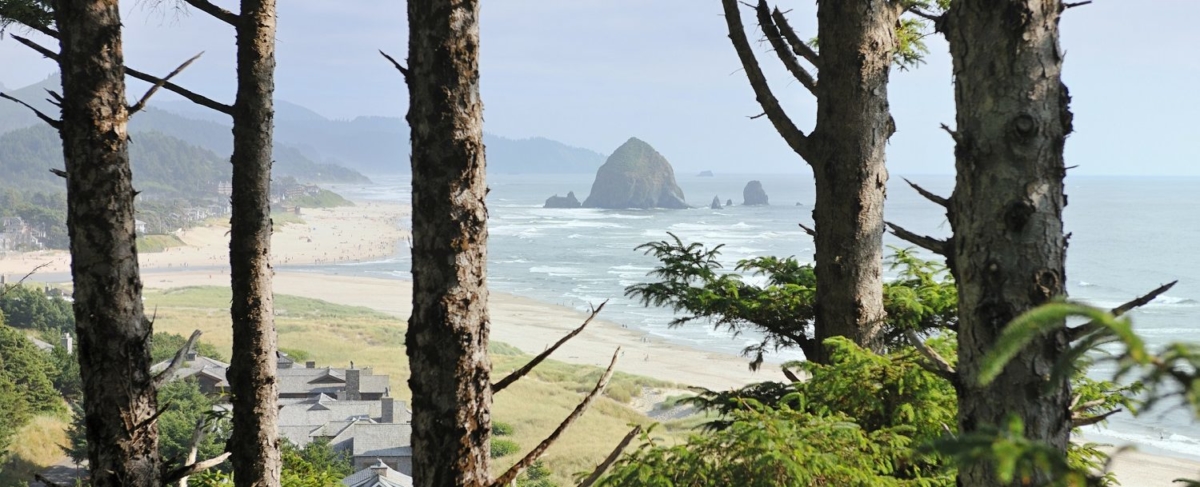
(1129, 235)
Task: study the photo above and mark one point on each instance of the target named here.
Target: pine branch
(940, 247)
(178, 360)
(1086, 329)
(215, 11)
(517, 374)
(794, 137)
(57, 124)
(941, 201)
(536, 453)
(1080, 421)
(781, 49)
(611, 458)
(159, 84)
(798, 46)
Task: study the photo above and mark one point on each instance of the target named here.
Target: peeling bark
(114, 349)
(447, 334)
(1008, 246)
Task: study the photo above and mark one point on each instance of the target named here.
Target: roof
(43, 346)
(201, 365)
(378, 439)
(378, 475)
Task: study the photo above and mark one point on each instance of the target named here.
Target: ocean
(1128, 236)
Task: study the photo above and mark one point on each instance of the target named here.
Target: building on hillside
(369, 430)
(67, 342)
(139, 227)
(208, 373)
(17, 235)
(377, 475)
(344, 384)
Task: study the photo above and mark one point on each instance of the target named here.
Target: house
(377, 475)
(139, 226)
(369, 430)
(67, 342)
(208, 373)
(352, 383)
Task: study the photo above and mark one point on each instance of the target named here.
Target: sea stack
(568, 201)
(754, 195)
(716, 204)
(635, 176)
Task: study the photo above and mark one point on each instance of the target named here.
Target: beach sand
(362, 232)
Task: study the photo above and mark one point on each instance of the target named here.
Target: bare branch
(38, 477)
(936, 19)
(193, 449)
(1086, 329)
(146, 97)
(178, 360)
(953, 135)
(940, 247)
(812, 233)
(21, 281)
(57, 124)
(794, 137)
(791, 376)
(798, 46)
(939, 364)
(184, 92)
(1068, 5)
(942, 201)
(399, 67)
(781, 49)
(611, 458)
(215, 11)
(1080, 421)
(757, 116)
(58, 172)
(537, 451)
(517, 374)
(194, 468)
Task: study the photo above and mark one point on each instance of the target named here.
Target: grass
(149, 244)
(36, 448)
(332, 334)
(323, 199)
(280, 219)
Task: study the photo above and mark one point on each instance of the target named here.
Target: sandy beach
(366, 231)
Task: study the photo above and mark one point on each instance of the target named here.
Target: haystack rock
(568, 201)
(716, 204)
(706, 174)
(753, 194)
(635, 176)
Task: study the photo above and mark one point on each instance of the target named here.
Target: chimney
(190, 356)
(388, 406)
(68, 343)
(379, 468)
(310, 365)
(352, 387)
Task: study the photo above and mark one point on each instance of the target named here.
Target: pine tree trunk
(447, 335)
(114, 349)
(847, 156)
(254, 445)
(1009, 248)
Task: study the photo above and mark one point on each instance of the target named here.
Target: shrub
(504, 447)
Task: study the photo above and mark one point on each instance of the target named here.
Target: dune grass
(149, 244)
(333, 335)
(36, 448)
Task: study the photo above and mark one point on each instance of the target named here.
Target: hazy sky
(592, 73)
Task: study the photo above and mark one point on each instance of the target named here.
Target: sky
(592, 73)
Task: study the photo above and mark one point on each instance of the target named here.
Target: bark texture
(1006, 212)
(252, 376)
(114, 352)
(846, 150)
(447, 334)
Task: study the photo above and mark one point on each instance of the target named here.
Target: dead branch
(399, 67)
(798, 46)
(193, 449)
(38, 477)
(939, 365)
(953, 135)
(178, 360)
(1068, 5)
(1080, 421)
(159, 84)
(939, 21)
(812, 233)
(1086, 329)
(181, 91)
(611, 458)
(757, 116)
(537, 452)
(941, 201)
(215, 11)
(517, 374)
(21, 281)
(57, 124)
(786, 56)
(791, 376)
(58, 172)
(937, 246)
(762, 91)
(194, 468)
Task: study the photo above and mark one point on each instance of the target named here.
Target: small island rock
(753, 194)
(716, 204)
(729, 202)
(635, 176)
(706, 174)
(568, 201)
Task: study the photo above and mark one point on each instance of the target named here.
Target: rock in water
(568, 201)
(729, 202)
(716, 204)
(635, 176)
(754, 195)
(706, 174)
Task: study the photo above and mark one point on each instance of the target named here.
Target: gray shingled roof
(201, 364)
(378, 439)
(377, 475)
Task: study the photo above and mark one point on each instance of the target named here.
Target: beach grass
(157, 243)
(38, 448)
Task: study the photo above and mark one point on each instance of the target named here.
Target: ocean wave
(1167, 300)
(558, 271)
(1165, 440)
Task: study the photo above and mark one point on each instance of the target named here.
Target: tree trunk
(253, 445)
(448, 332)
(1006, 212)
(847, 156)
(114, 352)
